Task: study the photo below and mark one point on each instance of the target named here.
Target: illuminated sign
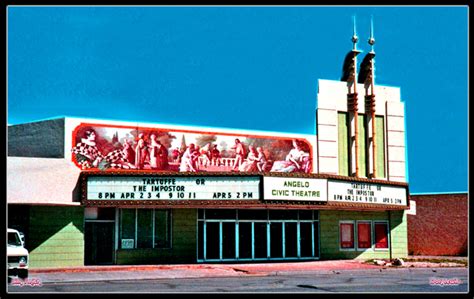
(103, 147)
(276, 188)
(358, 192)
(172, 188)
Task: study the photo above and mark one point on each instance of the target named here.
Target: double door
(230, 240)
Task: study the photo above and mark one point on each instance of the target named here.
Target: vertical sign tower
(352, 104)
(367, 77)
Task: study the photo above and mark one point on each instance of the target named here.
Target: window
(144, 228)
(364, 234)
(127, 228)
(343, 143)
(283, 214)
(362, 147)
(379, 140)
(346, 235)
(162, 229)
(346, 143)
(381, 235)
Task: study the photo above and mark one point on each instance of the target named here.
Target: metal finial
(372, 39)
(354, 35)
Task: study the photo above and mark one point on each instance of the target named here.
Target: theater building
(97, 192)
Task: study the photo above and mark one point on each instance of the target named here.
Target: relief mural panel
(107, 147)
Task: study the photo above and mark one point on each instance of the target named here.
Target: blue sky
(250, 68)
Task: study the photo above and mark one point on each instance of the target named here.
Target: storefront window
(305, 215)
(162, 229)
(346, 235)
(220, 214)
(283, 214)
(381, 235)
(127, 228)
(253, 214)
(364, 233)
(144, 228)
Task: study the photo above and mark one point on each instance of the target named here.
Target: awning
(42, 181)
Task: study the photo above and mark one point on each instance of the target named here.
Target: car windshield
(14, 239)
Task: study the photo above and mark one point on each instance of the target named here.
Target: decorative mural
(106, 147)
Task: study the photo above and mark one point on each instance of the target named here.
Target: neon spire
(354, 35)
(371, 39)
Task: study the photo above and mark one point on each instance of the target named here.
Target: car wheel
(23, 274)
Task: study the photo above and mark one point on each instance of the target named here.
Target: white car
(17, 255)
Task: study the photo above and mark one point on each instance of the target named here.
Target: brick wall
(439, 226)
(42, 139)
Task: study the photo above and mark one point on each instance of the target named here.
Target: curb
(242, 268)
(127, 268)
(55, 277)
(247, 269)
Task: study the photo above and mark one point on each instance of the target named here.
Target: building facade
(118, 212)
(96, 192)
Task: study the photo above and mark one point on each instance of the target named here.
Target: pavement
(142, 272)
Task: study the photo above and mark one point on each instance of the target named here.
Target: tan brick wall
(56, 236)
(329, 234)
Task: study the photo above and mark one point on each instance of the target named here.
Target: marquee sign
(172, 188)
(277, 188)
(370, 193)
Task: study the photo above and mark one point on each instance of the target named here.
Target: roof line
(437, 193)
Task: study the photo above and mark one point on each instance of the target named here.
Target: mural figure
(175, 155)
(205, 155)
(250, 164)
(181, 153)
(187, 163)
(297, 160)
(195, 157)
(128, 153)
(86, 151)
(122, 158)
(239, 154)
(162, 159)
(158, 154)
(215, 156)
(154, 156)
(141, 152)
(262, 162)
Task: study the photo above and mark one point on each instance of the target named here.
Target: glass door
(293, 238)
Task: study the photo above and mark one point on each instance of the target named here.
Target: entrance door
(99, 242)
(246, 235)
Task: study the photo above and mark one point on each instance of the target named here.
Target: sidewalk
(142, 272)
(95, 273)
